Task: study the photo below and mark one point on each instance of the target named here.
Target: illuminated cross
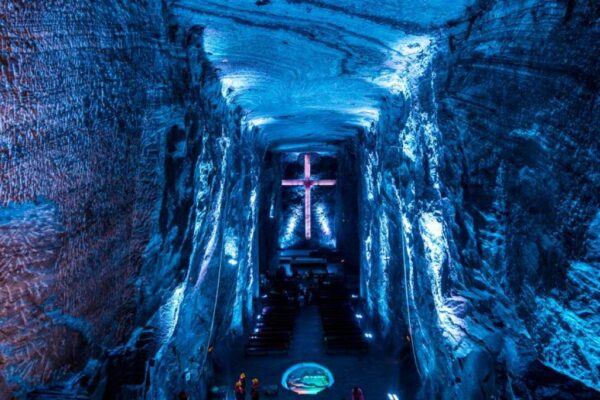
(307, 183)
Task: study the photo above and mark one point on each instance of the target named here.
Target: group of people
(240, 388)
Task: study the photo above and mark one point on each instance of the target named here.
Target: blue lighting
(231, 246)
(272, 210)
(290, 235)
(323, 216)
(383, 264)
(307, 378)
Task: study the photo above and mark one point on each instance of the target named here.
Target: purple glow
(308, 184)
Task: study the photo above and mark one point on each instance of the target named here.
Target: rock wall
(270, 216)
(118, 158)
(346, 221)
(217, 266)
(518, 99)
(485, 166)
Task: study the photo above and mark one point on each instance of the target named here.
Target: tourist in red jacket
(255, 389)
(240, 393)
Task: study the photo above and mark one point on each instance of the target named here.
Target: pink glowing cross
(307, 183)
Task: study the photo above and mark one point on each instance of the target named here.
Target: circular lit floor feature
(307, 378)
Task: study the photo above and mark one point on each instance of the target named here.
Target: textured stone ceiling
(310, 72)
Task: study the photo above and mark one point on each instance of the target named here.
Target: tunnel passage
(143, 147)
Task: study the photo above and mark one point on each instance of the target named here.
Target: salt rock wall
(346, 215)
(210, 251)
(270, 215)
(487, 170)
(525, 116)
(112, 146)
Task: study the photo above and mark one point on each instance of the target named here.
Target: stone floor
(376, 373)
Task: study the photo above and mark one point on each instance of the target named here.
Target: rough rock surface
(114, 152)
(492, 163)
(309, 73)
(131, 183)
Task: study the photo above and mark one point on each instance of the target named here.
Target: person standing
(240, 394)
(243, 381)
(255, 389)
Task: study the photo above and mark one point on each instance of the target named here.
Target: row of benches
(342, 333)
(272, 333)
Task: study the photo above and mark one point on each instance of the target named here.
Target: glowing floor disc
(307, 378)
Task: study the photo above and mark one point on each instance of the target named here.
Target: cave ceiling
(309, 73)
